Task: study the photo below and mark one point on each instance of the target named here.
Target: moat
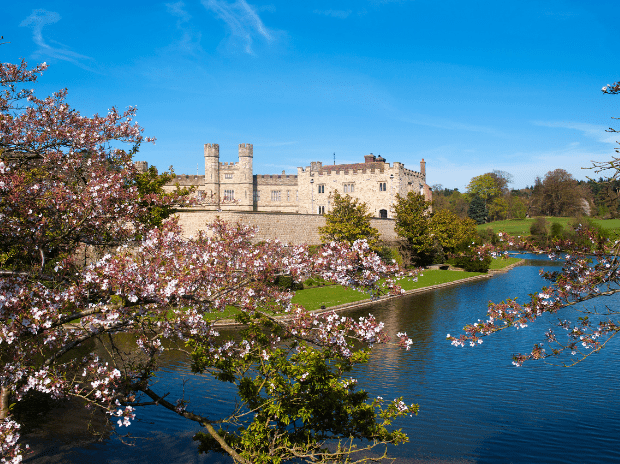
(475, 406)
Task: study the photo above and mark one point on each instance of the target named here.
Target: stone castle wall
(295, 229)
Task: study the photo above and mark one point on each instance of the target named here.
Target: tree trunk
(4, 403)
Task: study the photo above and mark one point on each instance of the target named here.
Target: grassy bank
(497, 264)
(315, 298)
(333, 295)
(522, 226)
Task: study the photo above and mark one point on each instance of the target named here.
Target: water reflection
(475, 406)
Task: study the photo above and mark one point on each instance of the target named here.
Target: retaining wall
(295, 229)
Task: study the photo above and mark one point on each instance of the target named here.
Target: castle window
(228, 175)
(321, 209)
(275, 195)
(322, 188)
(229, 195)
(349, 188)
(382, 187)
(288, 195)
(383, 213)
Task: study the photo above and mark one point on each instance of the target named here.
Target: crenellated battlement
(246, 150)
(188, 179)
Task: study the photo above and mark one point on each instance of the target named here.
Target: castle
(235, 187)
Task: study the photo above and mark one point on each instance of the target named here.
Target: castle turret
(423, 169)
(212, 171)
(246, 176)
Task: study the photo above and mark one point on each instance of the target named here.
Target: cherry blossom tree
(590, 272)
(79, 264)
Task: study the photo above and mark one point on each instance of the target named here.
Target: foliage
(64, 184)
(478, 210)
(473, 261)
(498, 209)
(517, 209)
(348, 221)
(413, 224)
(149, 184)
(539, 227)
(559, 194)
(453, 233)
(300, 398)
(557, 230)
(484, 186)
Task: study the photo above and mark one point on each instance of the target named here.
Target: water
(475, 406)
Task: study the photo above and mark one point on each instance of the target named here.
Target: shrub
(286, 282)
(539, 227)
(557, 230)
(388, 254)
(472, 263)
(488, 236)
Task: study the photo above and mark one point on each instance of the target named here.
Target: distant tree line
(489, 198)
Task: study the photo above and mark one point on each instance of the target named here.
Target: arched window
(383, 213)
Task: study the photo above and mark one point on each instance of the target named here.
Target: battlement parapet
(347, 172)
(275, 176)
(187, 179)
(246, 150)
(275, 179)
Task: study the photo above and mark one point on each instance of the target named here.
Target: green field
(522, 226)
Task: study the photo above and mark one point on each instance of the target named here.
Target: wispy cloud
(439, 123)
(243, 22)
(37, 20)
(340, 14)
(593, 131)
(190, 38)
(178, 9)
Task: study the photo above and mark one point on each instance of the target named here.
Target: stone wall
(288, 228)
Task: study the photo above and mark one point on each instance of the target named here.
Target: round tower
(246, 158)
(212, 172)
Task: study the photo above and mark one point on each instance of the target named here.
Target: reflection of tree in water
(64, 431)
(53, 427)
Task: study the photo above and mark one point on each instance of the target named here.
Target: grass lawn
(522, 226)
(314, 298)
(332, 295)
(502, 263)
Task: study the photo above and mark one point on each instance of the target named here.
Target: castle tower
(212, 171)
(246, 178)
(423, 169)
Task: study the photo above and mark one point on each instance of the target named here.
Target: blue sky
(469, 86)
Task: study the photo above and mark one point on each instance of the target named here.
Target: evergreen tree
(477, 210)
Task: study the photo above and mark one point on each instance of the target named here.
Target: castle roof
(352, 167)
